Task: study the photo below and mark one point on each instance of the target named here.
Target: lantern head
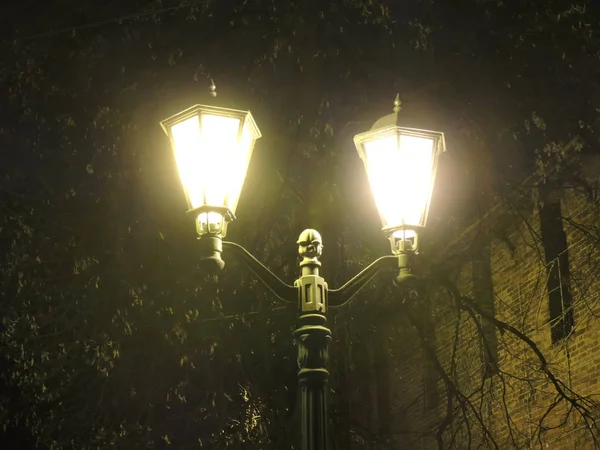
(212, 148)
(401, 165)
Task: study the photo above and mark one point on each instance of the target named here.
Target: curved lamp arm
(342, 295)
(272, 282)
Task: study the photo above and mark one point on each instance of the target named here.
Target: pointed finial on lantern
(397, 104)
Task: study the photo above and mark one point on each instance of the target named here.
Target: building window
(483, 291)
(554, 241)
(431, 397)
(429, 369)
(559, 300)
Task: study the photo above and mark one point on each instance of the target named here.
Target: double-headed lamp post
(213, 147)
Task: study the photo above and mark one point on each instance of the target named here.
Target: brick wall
(512, 403)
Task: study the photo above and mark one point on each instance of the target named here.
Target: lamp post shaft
(312, 339)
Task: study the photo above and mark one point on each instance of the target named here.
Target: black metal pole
(312, 336)
(312, 339)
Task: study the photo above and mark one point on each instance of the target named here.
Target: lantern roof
(424, 119)
(218, 110)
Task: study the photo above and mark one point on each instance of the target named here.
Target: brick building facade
(531, 382)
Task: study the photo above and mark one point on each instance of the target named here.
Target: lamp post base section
(312, 339)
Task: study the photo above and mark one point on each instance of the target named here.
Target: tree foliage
(110, 333)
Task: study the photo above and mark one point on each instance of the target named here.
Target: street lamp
(212, 148)
(401, 164)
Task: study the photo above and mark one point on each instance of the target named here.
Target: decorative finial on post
(397, 104)
(310, 248)
(312, 287)
(212, 89)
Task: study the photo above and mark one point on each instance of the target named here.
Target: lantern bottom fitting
(402, 238)
(405, 276)
(211, 247)
(211, 220)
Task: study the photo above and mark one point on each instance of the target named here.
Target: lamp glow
(401, 165)
(212, 148)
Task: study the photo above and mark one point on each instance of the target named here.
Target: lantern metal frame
(245, 119)
(391, 125)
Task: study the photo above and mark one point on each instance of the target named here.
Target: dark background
(111, 335)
